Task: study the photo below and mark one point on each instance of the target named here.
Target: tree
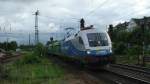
(9, 45)
(120, 48)
(13, 45)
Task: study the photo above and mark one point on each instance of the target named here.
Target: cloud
(55, 15)
(53, 27)
(19, 1)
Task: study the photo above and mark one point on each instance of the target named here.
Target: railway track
(116, 73)
(79, 70)
(136, 74)
(5, 57)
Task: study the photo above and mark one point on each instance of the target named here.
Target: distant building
(122, 26)
(134, 23)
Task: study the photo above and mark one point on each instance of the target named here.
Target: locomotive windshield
(97, 39)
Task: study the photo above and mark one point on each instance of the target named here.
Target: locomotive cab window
(80, 40)
(97, 39)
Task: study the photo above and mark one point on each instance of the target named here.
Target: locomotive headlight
(88, 52)
(110, 50)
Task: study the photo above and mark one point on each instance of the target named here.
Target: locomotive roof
(92, 30)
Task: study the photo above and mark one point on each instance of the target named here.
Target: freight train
(89, 46)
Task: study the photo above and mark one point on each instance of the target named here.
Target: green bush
(31, 59)
(134, 50)
(36, 56)
(119, 48)
(40, 50)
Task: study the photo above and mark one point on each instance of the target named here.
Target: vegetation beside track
(131, 60)
(127, 45)
(35, 68)
(126, 59)
(32, 68)
(26, 72)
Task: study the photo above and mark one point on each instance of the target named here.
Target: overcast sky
(58, 14)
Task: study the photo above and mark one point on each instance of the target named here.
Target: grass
(44, 72)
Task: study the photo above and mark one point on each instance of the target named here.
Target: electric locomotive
(89, 46)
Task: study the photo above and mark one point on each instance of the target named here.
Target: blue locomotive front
(89, 46)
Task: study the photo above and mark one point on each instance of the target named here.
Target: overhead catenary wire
(54, 18)
(102, 4)
(51, 18)
(59, 20)
(75, 18)
(95, 9)
(131, 13)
